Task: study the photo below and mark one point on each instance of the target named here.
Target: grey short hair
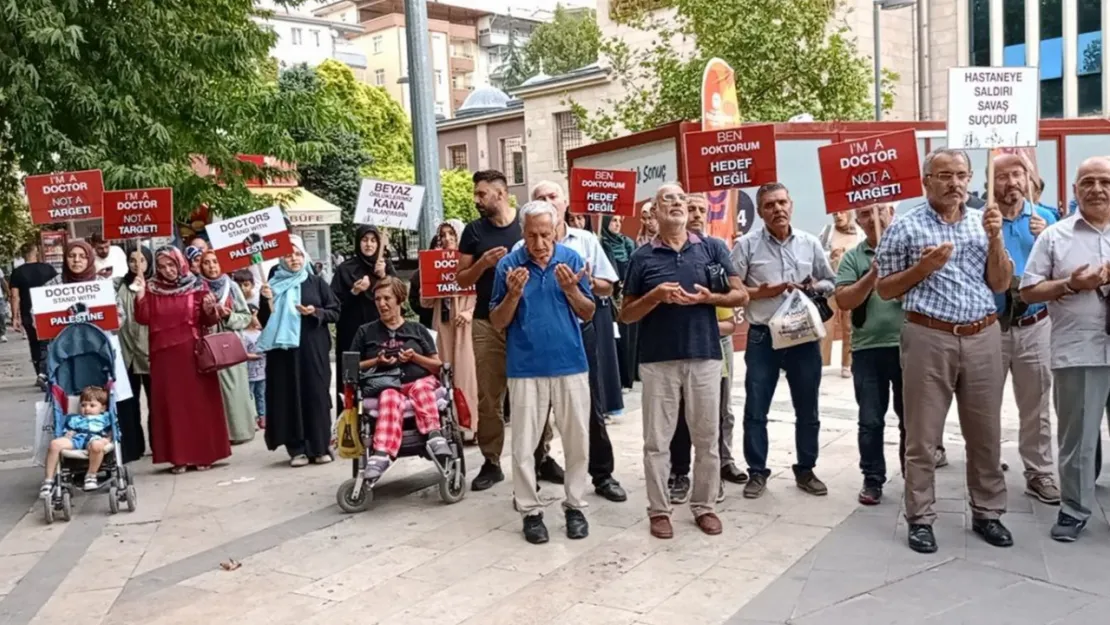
(927, 165)
(546, 183)
(536, 208)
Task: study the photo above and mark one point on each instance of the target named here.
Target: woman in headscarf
(451, 320)
(231, 308)
(617, 246)
(353, 284)
(188, 427)
(297, 307)
(649, 227)
(134, 339)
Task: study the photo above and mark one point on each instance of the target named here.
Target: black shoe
(489, 475)
(870, 494)
(993, 531)
(611, 490)
(921, 539)
(1067, 528)
(680, 489)
(577, 526)
(535, 531)
(756, 486)
(550, 471)
(807, 481)
(730, 473)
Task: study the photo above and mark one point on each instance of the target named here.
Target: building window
(439, 78)
(377, 42)
(316, 37)
(980, 32)
(1089, 55)
(567, 137)
(379, 77)
(1052, 58)
(456, 157)
(296, 36)
(512, 159)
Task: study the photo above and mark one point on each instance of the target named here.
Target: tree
(569, 41)
(140, 89)
(788, 55)
(517, 69)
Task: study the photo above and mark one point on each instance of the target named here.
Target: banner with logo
(65, 196)
(872, 170)
(58, 306)
(720, 110)
(437, 274)
(604, 192)
(389, 204)
(138, 213)
(250, 239)
(737, 158)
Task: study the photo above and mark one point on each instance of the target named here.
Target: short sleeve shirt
(760, 258)
(883, 325)
(589, 248)
(544, 338)
(1019, 244)
(671, 331)
(28, 276)
(375, 337)
(480, 236)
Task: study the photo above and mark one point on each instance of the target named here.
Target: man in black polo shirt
(484, 242)
(668, 291)
(31, 274)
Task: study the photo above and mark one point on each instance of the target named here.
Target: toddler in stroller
(90, 431)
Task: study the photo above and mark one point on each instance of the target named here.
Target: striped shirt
(958, 291)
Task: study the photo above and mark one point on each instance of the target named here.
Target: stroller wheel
(452, 488)
(132, 497)
(67, 505)
(48, 508)
(347, 501)
(113, 500)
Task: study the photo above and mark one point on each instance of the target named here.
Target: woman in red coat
(189, 428)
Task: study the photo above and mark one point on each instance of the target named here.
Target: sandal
(178, 470)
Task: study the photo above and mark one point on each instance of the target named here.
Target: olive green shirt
(883, 325)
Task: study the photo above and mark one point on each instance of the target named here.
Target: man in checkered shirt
(946, 261)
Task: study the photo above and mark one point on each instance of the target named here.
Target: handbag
(373, 382)
(821, 303)
(216, 351)
(717, 278)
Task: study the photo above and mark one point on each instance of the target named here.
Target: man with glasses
(771, 261)
(946, 261)
(1069, 269)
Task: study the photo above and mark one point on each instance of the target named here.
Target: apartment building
(305, 38)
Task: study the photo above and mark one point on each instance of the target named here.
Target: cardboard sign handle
(990, 177)
(878, 224)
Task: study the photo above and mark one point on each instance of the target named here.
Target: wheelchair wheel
(48, 509)
(453, 487)
(113, 500)
(67, 505)
(348, 502)
(132, 497)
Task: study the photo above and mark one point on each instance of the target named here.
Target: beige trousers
(937, 366)
(1026, 355)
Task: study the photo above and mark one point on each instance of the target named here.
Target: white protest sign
(993, 107)
(389, 204)
(60, 305)
(249, 239)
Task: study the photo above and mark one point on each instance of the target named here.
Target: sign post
(389, 204)
(65, 196)
(437, 275)
(138, 214)
(602, 192)
(247, 240)
(736, 158)
(873, 170)
(60, 305)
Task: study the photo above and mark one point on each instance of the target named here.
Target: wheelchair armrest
(349, 368)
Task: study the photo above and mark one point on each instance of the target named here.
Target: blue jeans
(802, 364)
(875, 373)
(258, 390)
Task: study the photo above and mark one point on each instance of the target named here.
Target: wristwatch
(1068, 290)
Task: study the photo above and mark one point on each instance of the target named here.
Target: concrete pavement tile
(865, 609)
(379, 604)
(705, 601)
(951, 536)
(537, 603)
(557, 553)
(488, 549)
(31, 534)
(678, 561)
(245, 580)
(14, 568)
(78, 608)
(639, 590)
(589, 614)
(606, 562)
(747, 621)
(472, 594)
(957, 581)
(1080, 565)
(827, 588)
(365, 575)
(1024, 558)
(1093, 612)
(285, 609)
(1024, 603)
(777, 601)
(738, 530)
(146, 608)
(777, 547)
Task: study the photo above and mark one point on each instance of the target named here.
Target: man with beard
(1069, 269)
(110, 260)
(772, 261)
(1025, 327)
(483, 243)
(946, 261)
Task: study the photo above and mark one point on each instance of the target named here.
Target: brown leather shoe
(709, 523)
(661, 527)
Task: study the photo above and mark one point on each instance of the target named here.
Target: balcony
(458, 96)
(351, 58)
(461, 65)
(492, 38)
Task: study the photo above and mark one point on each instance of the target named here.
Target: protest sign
(66, 196)
(993, 107)
(720, 109)
(58, 306)
(735, 158)
(389, 204)
(605, 192)
(872, 170)
(243, 241)
(437, 274)
(138, 213)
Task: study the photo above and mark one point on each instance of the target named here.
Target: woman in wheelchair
(393, 344)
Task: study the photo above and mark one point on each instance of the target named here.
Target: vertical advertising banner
(247, 240)
(138, 213)
(720, 110)
(603, 192)
(65, 196)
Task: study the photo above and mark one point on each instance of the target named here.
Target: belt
(1029, 320)
(957, 329)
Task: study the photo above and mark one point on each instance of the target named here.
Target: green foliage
(377, 117)
(790, 57)
(571, 40)
(15, 218)
(517, 68)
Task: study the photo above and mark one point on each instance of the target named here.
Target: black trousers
(131, 418)
(601, 449)
(37, 347)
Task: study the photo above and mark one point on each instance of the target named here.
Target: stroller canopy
(80, 356)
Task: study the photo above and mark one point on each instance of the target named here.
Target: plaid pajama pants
(391, 407)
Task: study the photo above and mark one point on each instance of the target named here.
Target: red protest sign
(66, 196)
(437, 274)
(602, 192)
(733, 158)
(872, 170)
(138, 213)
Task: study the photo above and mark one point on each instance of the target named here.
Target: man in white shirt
(110, 261)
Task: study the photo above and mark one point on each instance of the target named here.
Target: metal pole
(422, 104)
(877, 8)
(924, 72)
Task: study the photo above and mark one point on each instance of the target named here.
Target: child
(88, 430)
(245, 280)
(256, 365)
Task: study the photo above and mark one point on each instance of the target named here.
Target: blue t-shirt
(1019, 244)
(91, 424)
(544, 339)
(672, 331)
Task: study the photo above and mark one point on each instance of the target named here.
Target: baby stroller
(356, 494)
(82, 356)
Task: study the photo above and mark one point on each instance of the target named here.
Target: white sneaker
(299, 461)
(91, 483)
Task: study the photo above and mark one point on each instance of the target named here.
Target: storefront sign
(58, 306)
(437, 274)
(993, 107)
(314, 218)
(389, 204)
(872, 170)
(249, 239)
(605, 192)
(139, 213)
(67, 196)
(735, 158)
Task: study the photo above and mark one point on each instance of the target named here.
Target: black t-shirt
(29, 276)
(478, 237)
(374, 338)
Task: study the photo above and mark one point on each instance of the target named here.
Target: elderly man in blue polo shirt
(540, 294)
(673, 287)
(1025, 328)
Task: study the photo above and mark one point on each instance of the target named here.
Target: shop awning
(303, 207)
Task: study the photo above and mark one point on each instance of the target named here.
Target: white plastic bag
(44, 432)
(796, 322)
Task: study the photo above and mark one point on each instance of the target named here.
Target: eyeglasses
(674, 198)
(947, 176)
